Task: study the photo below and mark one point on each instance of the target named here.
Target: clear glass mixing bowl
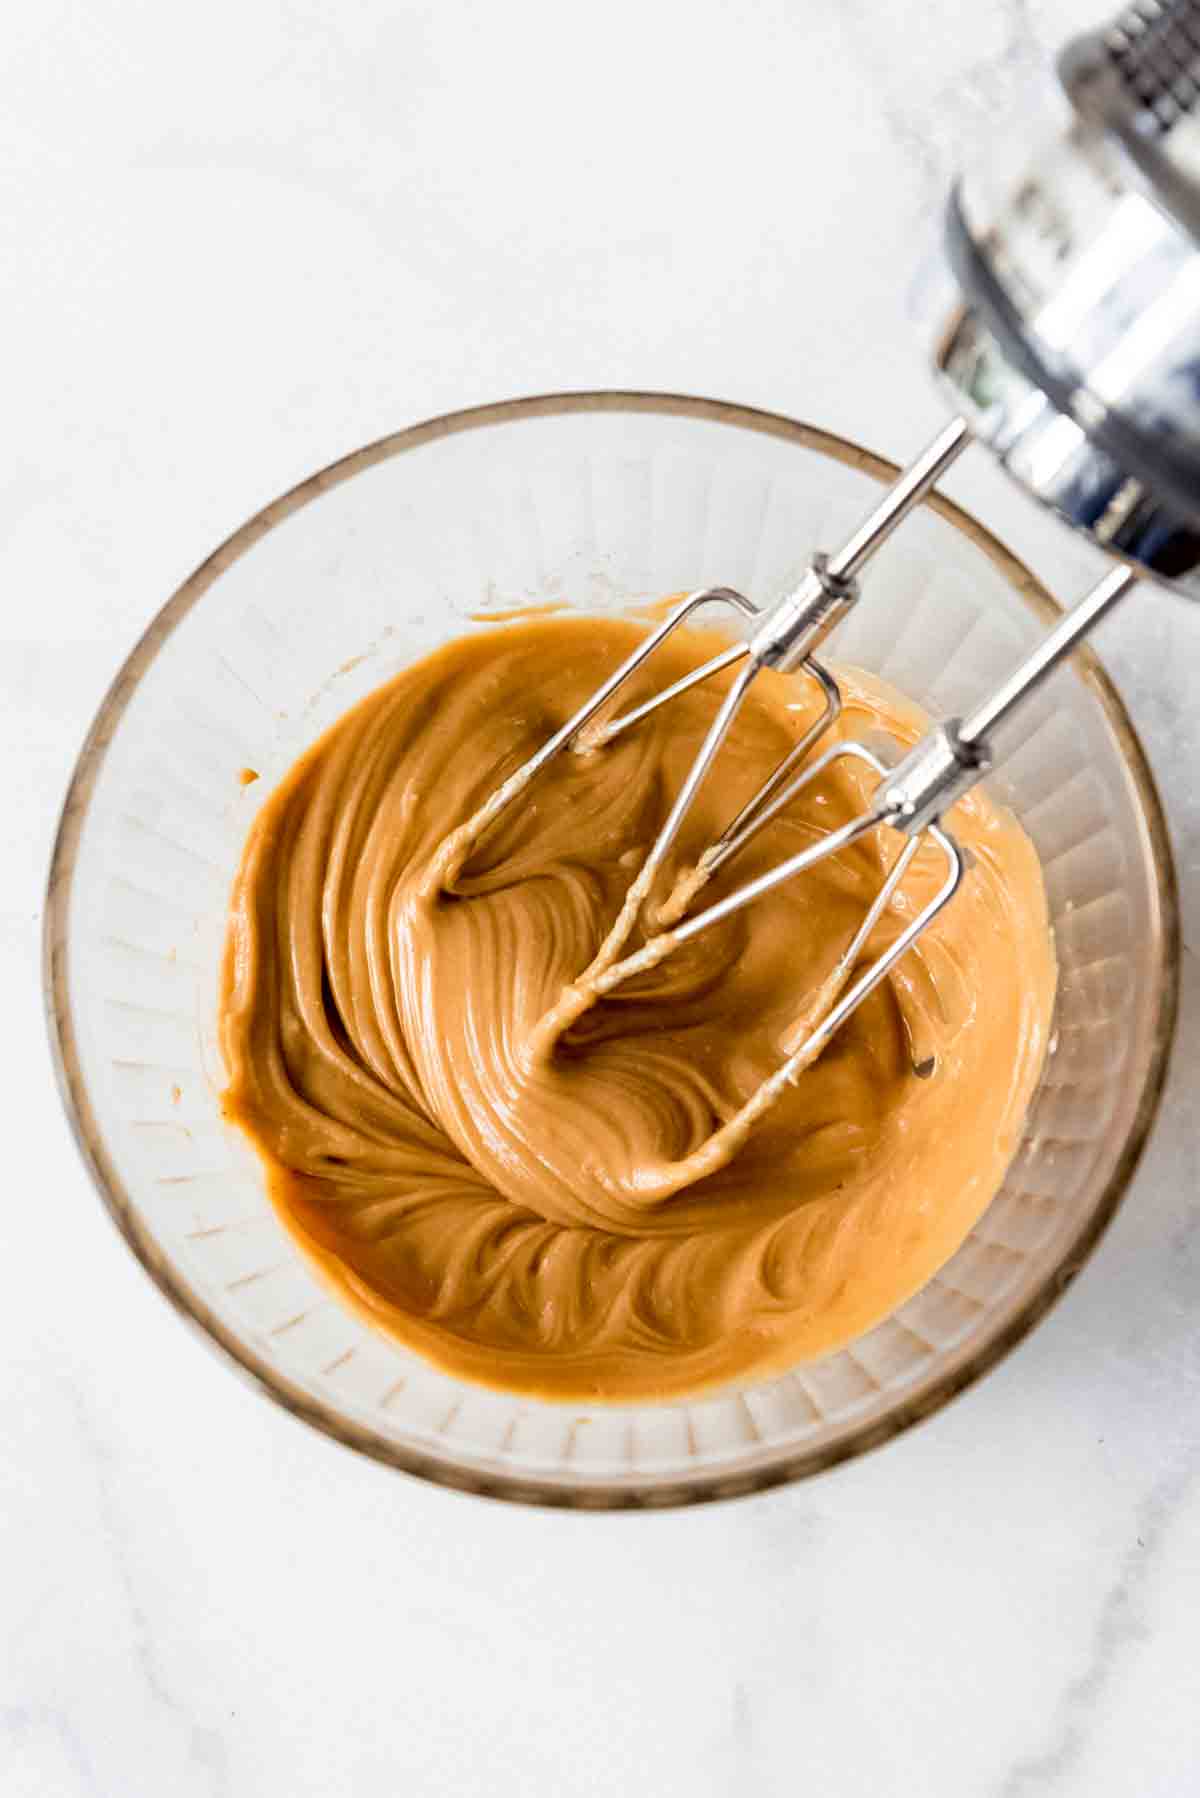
(595, 501)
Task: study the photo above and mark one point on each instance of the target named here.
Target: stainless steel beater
(1065, 322)
(909, 800)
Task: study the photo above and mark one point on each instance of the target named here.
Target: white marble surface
(237, 241)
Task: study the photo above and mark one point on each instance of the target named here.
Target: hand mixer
(1067, 328)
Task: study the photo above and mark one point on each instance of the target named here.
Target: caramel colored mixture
(560, 1192)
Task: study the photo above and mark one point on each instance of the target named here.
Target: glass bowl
(594, 501)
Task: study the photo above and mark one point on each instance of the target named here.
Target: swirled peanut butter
(550, 1189)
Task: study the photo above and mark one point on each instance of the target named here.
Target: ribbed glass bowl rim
(522, 1488)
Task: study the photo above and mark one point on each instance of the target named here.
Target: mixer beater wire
(909, 798)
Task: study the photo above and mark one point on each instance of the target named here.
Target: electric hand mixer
(1068, 334)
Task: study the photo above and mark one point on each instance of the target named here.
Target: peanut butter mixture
(561, 1193)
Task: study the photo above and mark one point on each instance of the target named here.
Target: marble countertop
(240, 240)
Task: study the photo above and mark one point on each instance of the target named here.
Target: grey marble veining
(1120, 1627)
